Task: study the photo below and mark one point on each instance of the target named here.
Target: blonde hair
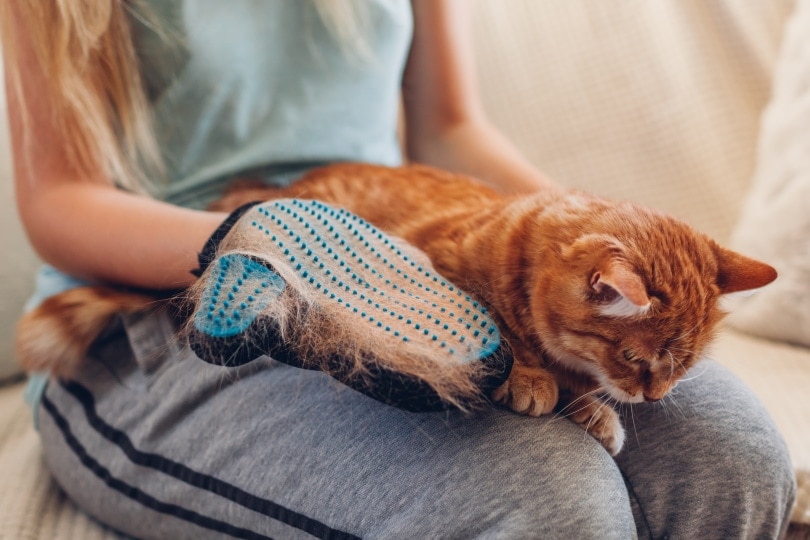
(94, 83)
(84, 48)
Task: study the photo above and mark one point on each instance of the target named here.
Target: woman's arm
(85, 226)
(445, 122)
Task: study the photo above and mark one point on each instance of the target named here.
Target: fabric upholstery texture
(659, 102)
(19, 261)
(31, 505)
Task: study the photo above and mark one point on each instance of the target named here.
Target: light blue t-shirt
(261, 89)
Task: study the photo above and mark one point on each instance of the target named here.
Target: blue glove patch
(235, 294)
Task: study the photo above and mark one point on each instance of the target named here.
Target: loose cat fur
(600, 301)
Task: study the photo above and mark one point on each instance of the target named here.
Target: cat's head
(635, 304)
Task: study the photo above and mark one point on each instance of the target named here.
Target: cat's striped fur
(599, 300)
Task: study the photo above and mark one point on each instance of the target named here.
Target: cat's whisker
(688, 351)
(602, 403)
(685, 334)
(572, 413)
(671, 397)
(591, 419)
(671, 363)
(623, 409)
(695, 328)
(633, 421)
(574, 402)
(685, 379)
(675, 359)
(584, 407)
(663, 406)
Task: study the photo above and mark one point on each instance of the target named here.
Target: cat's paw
(528, 390)
(600, 420)
(606, 427)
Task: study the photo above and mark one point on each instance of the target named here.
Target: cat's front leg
(528, 390)
(597, 417)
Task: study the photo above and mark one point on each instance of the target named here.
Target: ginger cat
(600, 301)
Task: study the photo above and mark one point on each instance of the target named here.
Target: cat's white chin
(613, 392)
(620, 395)
(576, 363)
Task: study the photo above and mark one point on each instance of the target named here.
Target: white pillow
(775, 221)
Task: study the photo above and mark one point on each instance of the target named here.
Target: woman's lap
(707, 462)
(177, 448)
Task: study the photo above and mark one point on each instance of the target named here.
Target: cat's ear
(616, 279)
(621, 289)
(737, 272)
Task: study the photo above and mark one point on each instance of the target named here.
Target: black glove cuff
(209, 250)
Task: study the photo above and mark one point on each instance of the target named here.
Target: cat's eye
(630, 357)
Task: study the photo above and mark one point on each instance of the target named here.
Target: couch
(660, 102)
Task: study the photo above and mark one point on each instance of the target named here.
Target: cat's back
(389, 197)
(394, 193)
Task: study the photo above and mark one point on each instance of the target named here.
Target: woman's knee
(553, 482)
(756, 478)
(714, 464)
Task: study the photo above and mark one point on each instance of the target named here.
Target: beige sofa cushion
(19, 262)
(31, 505)
(653, 101)
(775, 222)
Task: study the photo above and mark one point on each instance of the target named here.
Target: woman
(156, 443)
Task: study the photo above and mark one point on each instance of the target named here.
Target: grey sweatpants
(158, 444)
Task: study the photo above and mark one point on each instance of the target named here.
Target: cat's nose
(649, 399)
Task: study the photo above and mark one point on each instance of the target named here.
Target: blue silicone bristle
(249, 286)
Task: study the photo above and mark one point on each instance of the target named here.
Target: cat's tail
(55, 336)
